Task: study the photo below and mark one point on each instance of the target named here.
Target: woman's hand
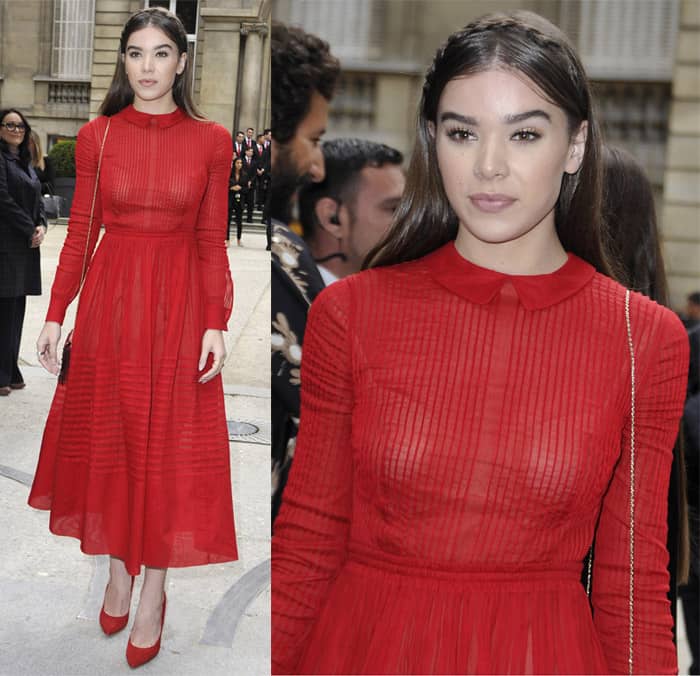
(212, 341)
(38, 236)
(47, 347)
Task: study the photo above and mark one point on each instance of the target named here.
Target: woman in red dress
(135, 457)
(471, 415)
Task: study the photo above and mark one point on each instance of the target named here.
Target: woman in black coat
(22, 230)
(239, 184)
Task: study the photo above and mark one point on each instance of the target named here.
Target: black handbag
(53, 206)
(68, 345)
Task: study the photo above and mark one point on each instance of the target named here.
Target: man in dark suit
(238, 144)
(262, 171)
(250, 166)
(249, 140)
(305, 77)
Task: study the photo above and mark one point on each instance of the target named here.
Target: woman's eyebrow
(508, 119)
(139, 49)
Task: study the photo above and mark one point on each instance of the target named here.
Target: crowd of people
(404, 449)
(250, 180)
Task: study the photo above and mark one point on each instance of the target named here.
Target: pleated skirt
(134, 460)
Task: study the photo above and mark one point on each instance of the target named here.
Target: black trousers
(249, 198)
(238, 211)
(261, 185)
(11, 320)
(267, 219)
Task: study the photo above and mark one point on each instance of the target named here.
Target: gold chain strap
(92, 208)
(632, 468)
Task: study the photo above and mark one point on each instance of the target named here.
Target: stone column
(681, 208)
(219, 65)
(251, 84)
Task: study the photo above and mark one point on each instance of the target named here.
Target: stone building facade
(641, 56)
(57, 58)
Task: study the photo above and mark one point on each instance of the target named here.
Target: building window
(625, 39)
(185, 10)
(354, 102)
(73, 29)
(635, 115)
(353, 29)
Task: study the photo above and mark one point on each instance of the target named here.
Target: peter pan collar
(147, 120)
(480, 285)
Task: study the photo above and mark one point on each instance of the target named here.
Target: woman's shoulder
(210, 129)
(98, 123)
(645, 314)
(389, 284)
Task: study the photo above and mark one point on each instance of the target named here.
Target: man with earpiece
(347, 214)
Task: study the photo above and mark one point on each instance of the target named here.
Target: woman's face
(151, 61)
(502, 151)
(238, 164)
(13, 137)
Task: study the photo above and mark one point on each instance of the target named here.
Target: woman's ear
(577, 148)
(182, 63)
(431, 129)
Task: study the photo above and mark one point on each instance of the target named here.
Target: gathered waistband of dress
(136, 234)
(479, 577)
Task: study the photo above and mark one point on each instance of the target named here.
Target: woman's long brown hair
(635, 243)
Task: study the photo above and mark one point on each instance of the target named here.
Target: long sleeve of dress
(311, 532)
(658, 405)
(211, 234)
(75, 254)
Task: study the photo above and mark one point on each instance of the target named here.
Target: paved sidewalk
(218, 617)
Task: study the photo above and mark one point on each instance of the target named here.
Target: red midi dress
(462, 433)
(134, 460)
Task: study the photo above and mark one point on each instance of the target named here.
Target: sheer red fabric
(461, 433)
(135, 457)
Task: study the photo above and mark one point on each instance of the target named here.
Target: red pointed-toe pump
(137, 656)
(111, 624)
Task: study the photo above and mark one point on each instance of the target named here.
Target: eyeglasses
(12, 126)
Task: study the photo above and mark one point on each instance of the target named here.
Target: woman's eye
(526, 135)
(461, 134)
(161, 53)
(133, 55)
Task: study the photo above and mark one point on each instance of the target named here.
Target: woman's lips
(147, 83)
(491, 202)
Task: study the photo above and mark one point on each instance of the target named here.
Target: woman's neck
(162, 106)
(537, 252)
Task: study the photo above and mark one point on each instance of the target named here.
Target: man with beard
(304, 76)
